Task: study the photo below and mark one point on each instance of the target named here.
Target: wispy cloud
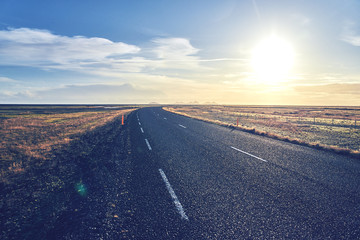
(353, 40)
(173, 48)
(336, 88)
(7, 80)
(97, 93)
(349, 34)
(174, 53)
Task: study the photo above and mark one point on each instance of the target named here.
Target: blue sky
(177, 51)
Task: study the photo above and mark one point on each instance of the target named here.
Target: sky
(180, 51)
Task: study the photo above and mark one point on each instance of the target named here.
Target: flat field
(29, 133)
(332, 128)
(50, 156)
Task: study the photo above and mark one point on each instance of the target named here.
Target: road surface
(195, 180)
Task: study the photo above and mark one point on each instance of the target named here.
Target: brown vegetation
(329, 128)
(49, 161)
(27, 135)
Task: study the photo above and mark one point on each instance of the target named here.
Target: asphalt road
(195, 180)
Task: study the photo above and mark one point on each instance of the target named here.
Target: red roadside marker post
(122, 120)
(237, 122)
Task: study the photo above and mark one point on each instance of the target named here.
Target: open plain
(161, 175)
(332, 128)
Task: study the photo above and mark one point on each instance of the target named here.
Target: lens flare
(81, 189)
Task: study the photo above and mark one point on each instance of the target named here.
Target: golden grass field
(332, 128)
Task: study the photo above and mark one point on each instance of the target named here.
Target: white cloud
(98, 56)
(7, 80)
(27, 36)
(41, 48)
(173, 48)
(350, 35)
(174, 54)
(353, 40)
(170, 65)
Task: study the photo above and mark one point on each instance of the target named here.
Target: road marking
(139, 123)
(248, 154)
(173, 195)
(165, 118)
(142, 130)
(148, 144)
(182, 126)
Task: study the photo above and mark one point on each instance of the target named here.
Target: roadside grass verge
(29, 138)
(45, 186)
(322, 134)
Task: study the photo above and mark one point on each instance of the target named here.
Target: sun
(272, 60)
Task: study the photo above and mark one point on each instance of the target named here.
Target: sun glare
(272, 60)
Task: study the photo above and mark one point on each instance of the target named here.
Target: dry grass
(27, 135)
(16, 167)
(46, 153)
(328, 128)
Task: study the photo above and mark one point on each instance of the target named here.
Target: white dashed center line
(248, 154)
(148, 144)
(182, 126)
(142, 130)
(139, 123)
(173, 195)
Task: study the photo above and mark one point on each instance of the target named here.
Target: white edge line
(173, 195)
(248, 154)
(182, 126)
(148, 144)
(142, 130)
